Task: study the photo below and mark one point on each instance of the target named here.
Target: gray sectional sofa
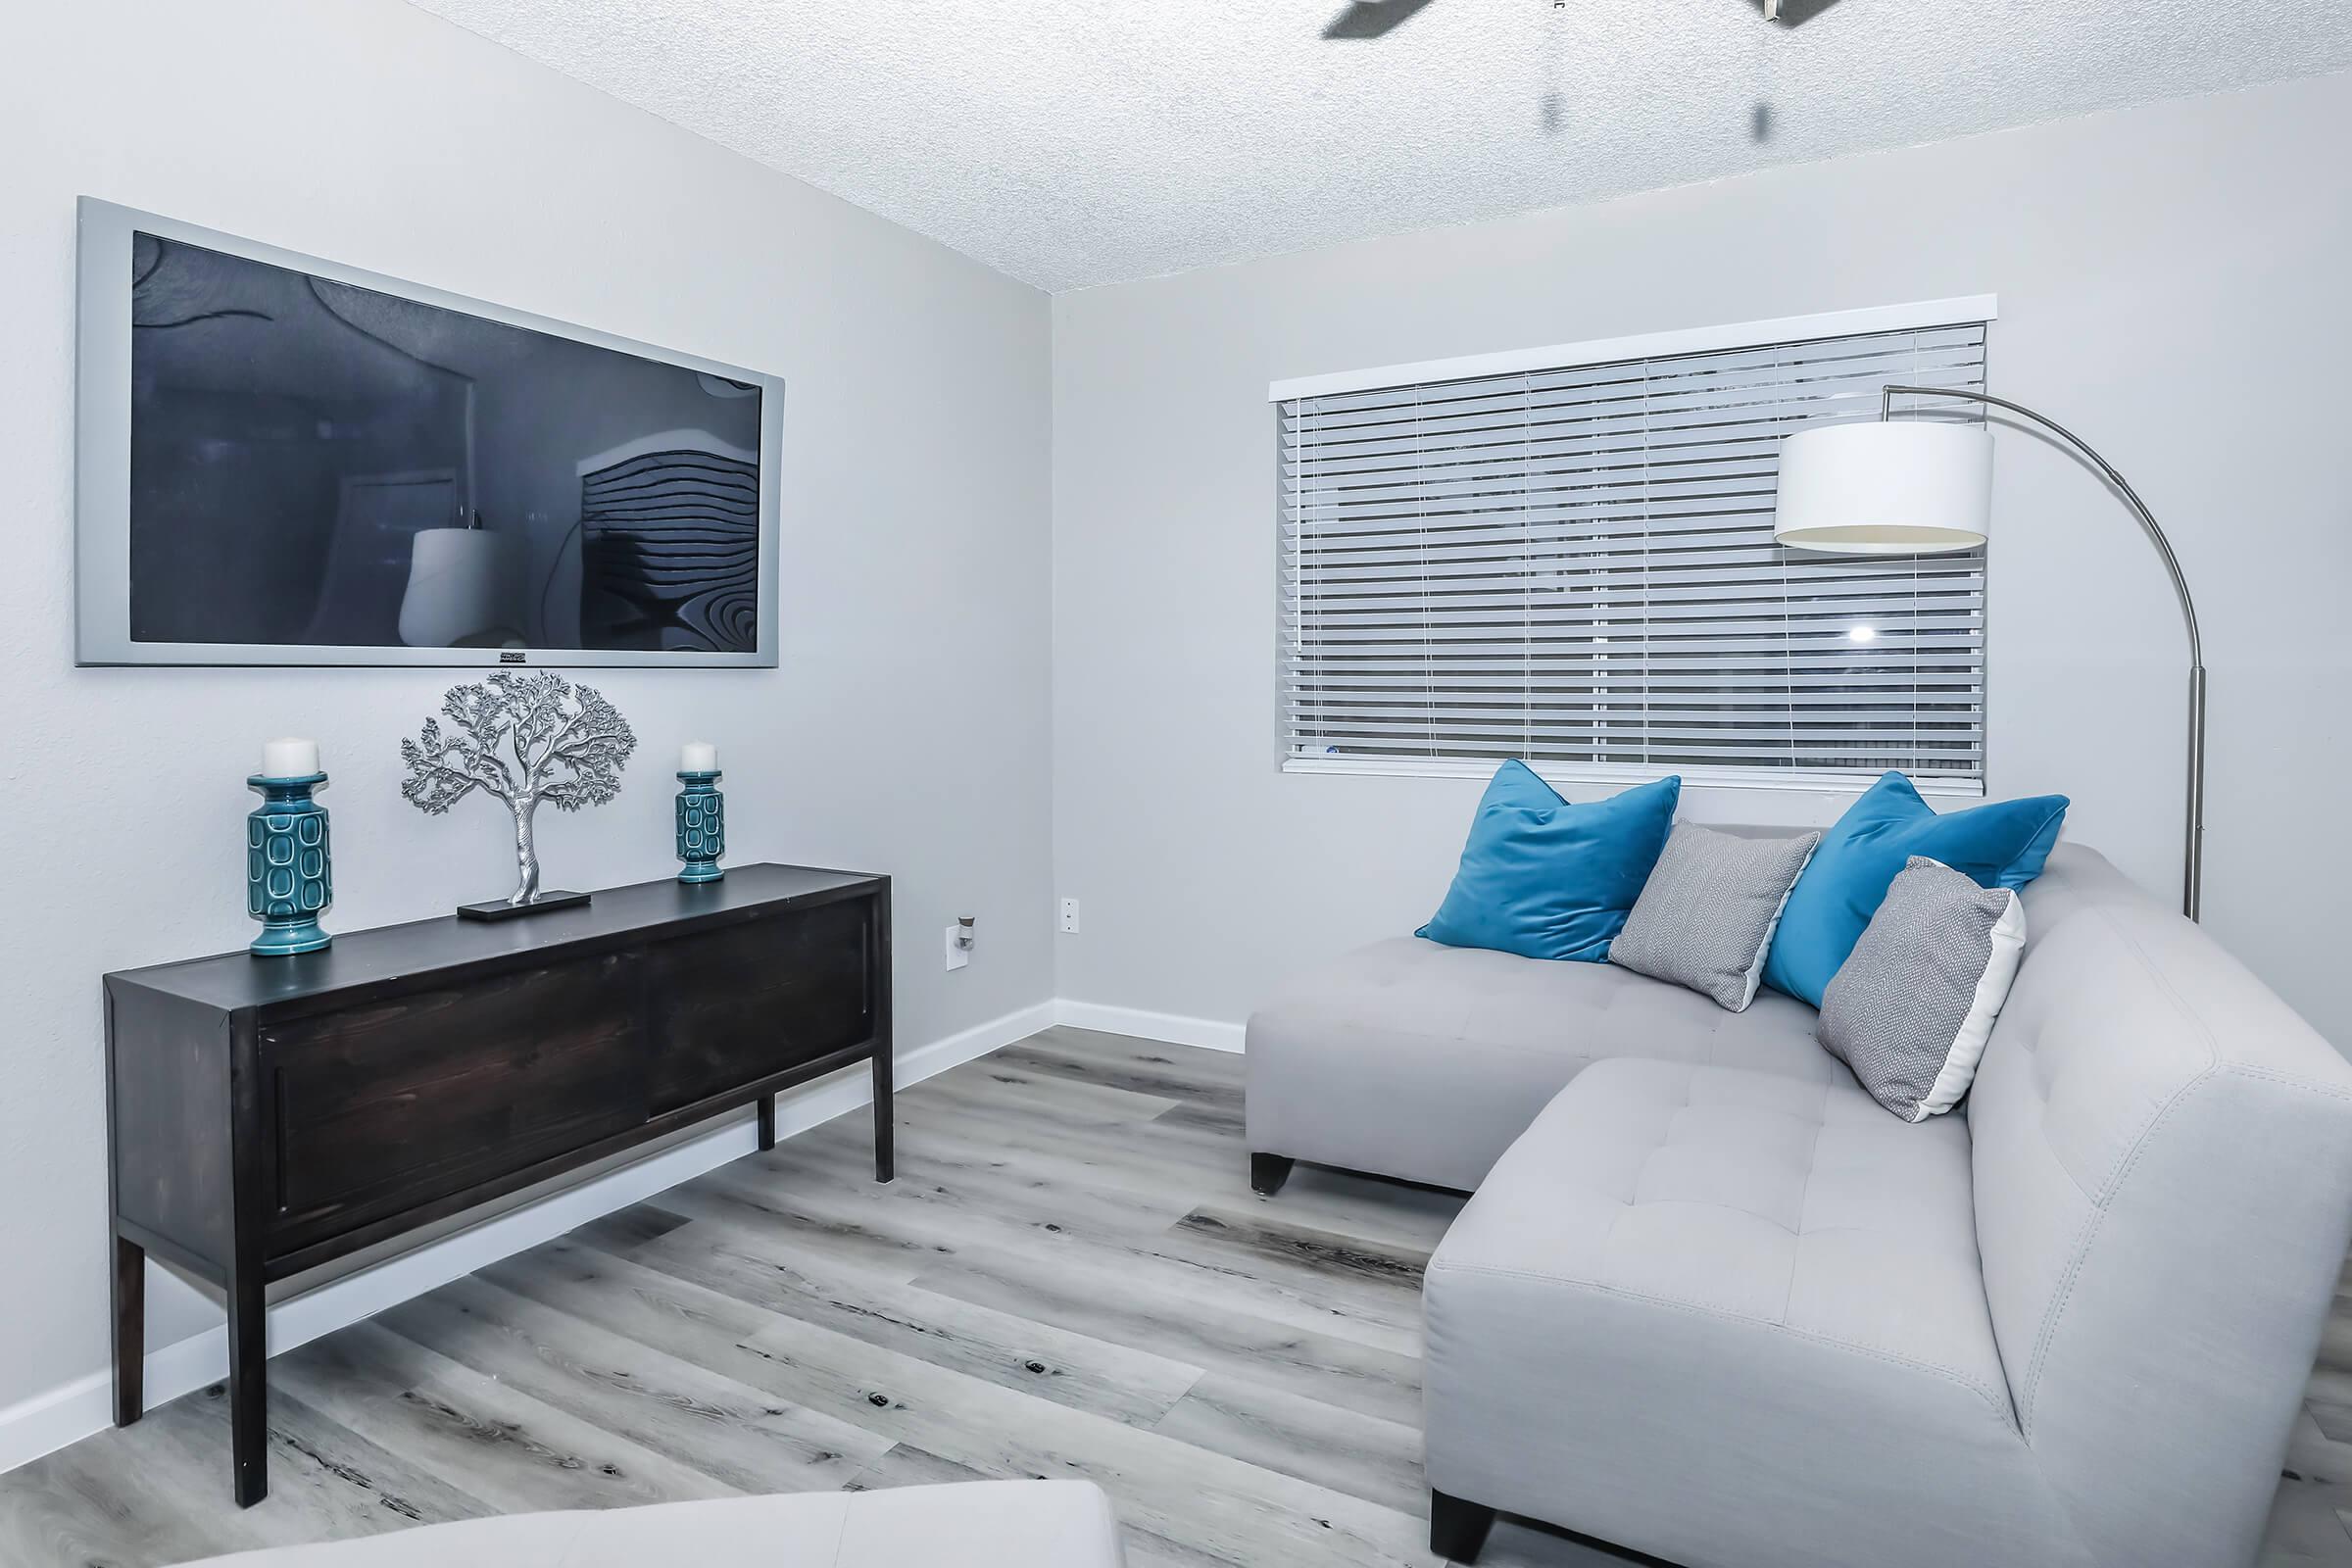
(1711, 1303)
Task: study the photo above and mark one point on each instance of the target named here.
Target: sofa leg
(1457, 1530)
(1268, 1173)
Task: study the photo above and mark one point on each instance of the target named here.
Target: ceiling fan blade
(1372, 19)
(1794, 13)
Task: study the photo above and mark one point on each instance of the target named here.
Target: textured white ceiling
(1090, 141)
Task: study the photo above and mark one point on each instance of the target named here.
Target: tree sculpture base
(501, 909)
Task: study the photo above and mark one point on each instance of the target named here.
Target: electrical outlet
(958, 953)
(1069, 917)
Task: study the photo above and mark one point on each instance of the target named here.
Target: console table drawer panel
(737, 1006)
(387, 1107)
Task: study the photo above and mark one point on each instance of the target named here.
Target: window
(1566, 556)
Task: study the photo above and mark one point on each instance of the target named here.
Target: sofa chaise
(1711, 1303)
(981, 1524)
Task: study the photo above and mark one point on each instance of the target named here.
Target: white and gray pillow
(1706, 915)
(1911, 1008)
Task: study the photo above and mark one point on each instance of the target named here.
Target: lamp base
(501, 909)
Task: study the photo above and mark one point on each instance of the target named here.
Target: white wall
(907, 730)
(2172, 285)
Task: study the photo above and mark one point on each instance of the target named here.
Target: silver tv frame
(102, 464)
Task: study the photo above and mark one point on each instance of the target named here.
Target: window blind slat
(1576, 565)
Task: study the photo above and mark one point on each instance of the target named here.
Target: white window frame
(1918, 315)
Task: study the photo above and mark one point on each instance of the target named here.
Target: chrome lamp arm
(2193, 867)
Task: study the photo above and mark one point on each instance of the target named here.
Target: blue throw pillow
(1545, 879)
(2002, 845)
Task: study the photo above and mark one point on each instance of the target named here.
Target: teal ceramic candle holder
(290, 870)
(702, 827)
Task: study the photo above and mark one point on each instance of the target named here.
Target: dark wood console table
(269, 1115)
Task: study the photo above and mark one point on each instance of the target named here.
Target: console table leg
(767, 1122)
(249, 1387)
(131, 1331)
(885, 1127)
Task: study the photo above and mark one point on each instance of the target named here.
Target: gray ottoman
(987, 1524)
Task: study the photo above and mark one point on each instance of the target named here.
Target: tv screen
(288, 461)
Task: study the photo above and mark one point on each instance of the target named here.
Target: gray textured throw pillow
(1911, 1008)
(1705, 916)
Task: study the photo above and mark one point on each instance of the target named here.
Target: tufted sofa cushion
(1685, 1271)
(2163, 1174)
(1424, 1062)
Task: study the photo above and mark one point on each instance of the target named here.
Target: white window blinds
(1575, 566)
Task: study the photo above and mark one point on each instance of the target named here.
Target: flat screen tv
(284, 460)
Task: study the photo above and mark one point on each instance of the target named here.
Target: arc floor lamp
(1916, 487)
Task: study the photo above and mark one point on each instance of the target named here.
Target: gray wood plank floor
(1069, 1277)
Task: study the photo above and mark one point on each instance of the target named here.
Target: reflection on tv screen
(317, 464)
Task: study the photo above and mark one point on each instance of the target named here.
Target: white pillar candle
(289, 759)
(698, 756)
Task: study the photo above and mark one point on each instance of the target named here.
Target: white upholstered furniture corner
(985, 1524)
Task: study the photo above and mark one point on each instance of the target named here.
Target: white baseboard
(1174, 1028)
(49, 1421)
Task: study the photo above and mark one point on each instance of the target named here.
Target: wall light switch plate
(957, 957)
(1069, 917)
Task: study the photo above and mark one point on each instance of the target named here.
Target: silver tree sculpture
(527, 740)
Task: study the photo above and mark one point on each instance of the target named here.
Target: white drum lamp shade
(1921, 487)
(1910, 487)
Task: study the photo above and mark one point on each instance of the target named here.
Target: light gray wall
(907, 730)
(2172, 285)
